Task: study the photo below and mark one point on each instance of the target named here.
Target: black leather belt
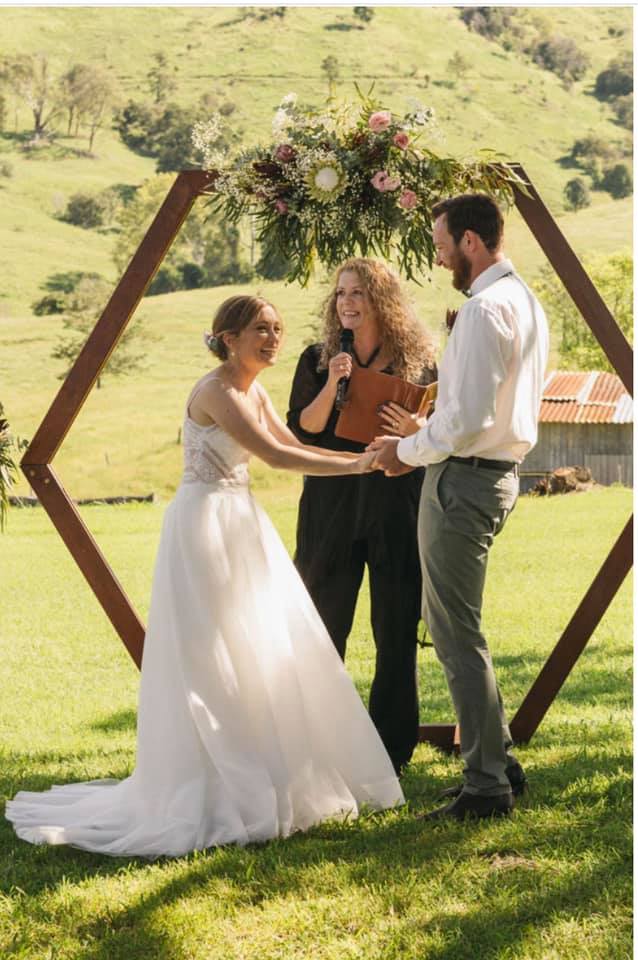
(504, 465)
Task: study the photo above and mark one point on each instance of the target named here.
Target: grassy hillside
(504, 102)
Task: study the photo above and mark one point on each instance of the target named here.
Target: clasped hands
(381, 454)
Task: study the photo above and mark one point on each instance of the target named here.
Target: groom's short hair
(472, 211)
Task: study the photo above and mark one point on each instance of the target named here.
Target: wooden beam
(575, 637)
(112, 323)
(88, 557)
(575, 280)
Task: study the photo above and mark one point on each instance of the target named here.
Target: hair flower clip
(210, 340)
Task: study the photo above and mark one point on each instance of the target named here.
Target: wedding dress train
(249, 726)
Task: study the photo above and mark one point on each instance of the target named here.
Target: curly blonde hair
(410, 347)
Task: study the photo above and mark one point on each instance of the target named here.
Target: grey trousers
(462, 509)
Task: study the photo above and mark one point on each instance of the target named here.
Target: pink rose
(281, 206)
(401, 140)
(379, 179)
(408, 200)
(383, 182)
(380, 121)
(285, 153)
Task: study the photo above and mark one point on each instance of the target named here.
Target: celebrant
(347, 523)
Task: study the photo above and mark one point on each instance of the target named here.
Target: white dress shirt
(490, 376)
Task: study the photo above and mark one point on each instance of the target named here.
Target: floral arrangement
(344, 181)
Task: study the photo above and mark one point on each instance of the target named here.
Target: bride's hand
(398, 421)
(364, 462)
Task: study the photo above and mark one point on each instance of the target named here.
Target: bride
(248, 725)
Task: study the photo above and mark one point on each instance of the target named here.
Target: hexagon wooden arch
(36, 462)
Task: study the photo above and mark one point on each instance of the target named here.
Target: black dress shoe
(472, 806)
(515, 775)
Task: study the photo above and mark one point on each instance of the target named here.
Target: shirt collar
(489, 276)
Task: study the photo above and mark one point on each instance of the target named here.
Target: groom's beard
(461, 271)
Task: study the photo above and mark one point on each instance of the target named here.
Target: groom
(485, 421)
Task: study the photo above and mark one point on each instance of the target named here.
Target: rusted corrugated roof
(590, 397)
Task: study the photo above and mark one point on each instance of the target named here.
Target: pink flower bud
(401, 140)
(379, 179)
(285, 153)
(281, 206)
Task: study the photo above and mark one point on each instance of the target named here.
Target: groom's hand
(386, 456)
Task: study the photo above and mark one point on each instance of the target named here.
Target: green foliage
(562, 56)
(8, 467)
(623, 107)
(618, 181)
(88, 93)
(617, 80)
(82, 308)
(364, 14)
(84, 211)
(576, 194)
(58, 285)
(6, 169)
(161, 78)
(591, 146)
(206, 252)
(489, 22)
(330, 69)
(577, 346)
(458, 66)
(30, 78)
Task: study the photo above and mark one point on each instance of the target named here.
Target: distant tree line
(85, 94)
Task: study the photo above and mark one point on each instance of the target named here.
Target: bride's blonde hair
(409, 346)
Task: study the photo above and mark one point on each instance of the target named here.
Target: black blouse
(335, 511)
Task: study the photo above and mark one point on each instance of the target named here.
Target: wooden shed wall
(606, 448)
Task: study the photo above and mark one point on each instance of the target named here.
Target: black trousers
(395, 600)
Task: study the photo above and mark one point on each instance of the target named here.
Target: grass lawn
(551, 883)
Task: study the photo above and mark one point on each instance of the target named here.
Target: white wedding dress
(249, 726)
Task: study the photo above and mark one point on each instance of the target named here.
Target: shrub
(561, 55)
(588, 147)
(617, 80)
(6, 169)
(49, 304)
(489, 22)
(618, 181)
(576, 194)
(84, 211)
(192, 275)
(623, 107)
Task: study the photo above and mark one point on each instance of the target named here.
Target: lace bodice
(212, 456)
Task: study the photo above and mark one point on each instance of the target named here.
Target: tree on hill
(30, 79)
(364, 14)
(577, 346)
(206, 252)
(617, 80)
(623, 107)
(618, 181)
(82, 308)
(330, 68)
(561, 55)
(160, 78)
(458, 66)
(576, 194)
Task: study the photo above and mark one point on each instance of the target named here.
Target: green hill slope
(504, 102)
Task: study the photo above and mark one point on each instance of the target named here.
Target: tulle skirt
(249, 726)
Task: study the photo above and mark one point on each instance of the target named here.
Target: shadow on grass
(578, 814)
(120, 720)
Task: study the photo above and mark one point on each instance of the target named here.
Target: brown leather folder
(368, 391)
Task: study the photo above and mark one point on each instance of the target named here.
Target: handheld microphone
(345, 346)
